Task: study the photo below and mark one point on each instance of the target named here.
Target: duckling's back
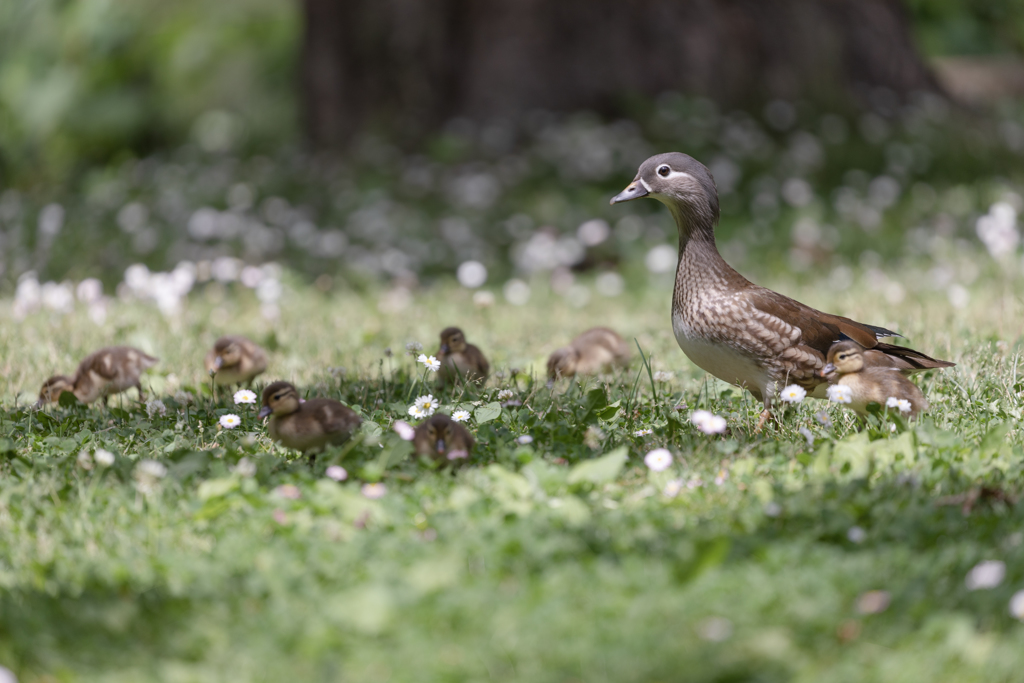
(599, 348)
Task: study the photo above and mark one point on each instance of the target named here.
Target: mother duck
(741, 333)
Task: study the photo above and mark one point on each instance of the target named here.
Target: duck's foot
(765, 416)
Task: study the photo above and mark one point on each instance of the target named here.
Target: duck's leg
(766, 415)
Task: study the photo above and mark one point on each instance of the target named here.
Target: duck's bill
(264, 411)
(635, 190)
(827, 370)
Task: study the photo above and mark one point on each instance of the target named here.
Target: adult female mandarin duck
(739, 332)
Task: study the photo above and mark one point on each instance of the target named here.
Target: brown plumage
(592, 352)
(739, 332)
(442, 438)
(848, 366)
(235, 359)
(305, 425)
(108, 371)
(460, 360)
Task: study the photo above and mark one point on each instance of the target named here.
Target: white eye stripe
(646, 186)
(677, 174)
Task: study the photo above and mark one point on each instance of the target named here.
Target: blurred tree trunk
(406, 66)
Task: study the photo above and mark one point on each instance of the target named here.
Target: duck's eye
(664, 170)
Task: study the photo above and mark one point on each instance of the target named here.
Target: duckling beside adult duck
(591, 352)
(871, 384)
(741, 333)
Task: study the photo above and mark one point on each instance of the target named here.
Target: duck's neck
(700, 264)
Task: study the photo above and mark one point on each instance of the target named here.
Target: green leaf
(215, 488)
(600, 470)
(486, 413)
(608, 412)
(67, 400)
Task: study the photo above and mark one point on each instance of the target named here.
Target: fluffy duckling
(871, 384)
(460, 360)
(590, 353)
(108, 371)
(306, 426)
(234, 360)
(441, 438)
(53, 388)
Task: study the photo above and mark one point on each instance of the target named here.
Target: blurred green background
(158, 133)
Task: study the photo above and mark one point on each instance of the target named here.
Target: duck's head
(844, 357)
(280, 398)
(53, 388)
(229, 353)
(439, 432)
(680, 182)
(452, 340)
(562, 363)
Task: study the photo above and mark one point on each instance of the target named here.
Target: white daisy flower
(427, 404)
(658, 460)
(708, 422)
(156, 407)
(985, 575)
(663, 376)
(245, 396)
(673, 488)
(414, 411)
(460, 415)
(413, 347)
(794, 393)
(430, 362)
(404, 429)
(458, 455)
(337, 473)
(900, 404)
(85, 460)
(229, 421)
(374, 491)
(1017, 605)
(505, 394)
(245, 468)
(103, 457)
(524, 439)
(643, 432)
(840, 393)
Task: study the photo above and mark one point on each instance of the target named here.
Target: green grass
(536, 562)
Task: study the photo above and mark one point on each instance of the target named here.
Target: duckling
(306, 425)
(590, 353)
(743, 334)
(53, 388)
(235, 359)
(460, 360)
(108, 371)
(848, 367)
(441, 437)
